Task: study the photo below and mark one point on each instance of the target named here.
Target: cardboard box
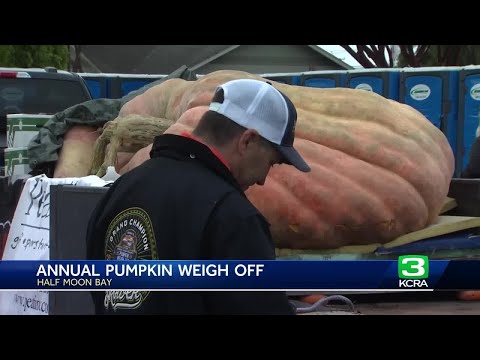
(16, 161)
(21, 128)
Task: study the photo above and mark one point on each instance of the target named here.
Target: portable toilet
(324, 78)
(468, 110)
(434, 92)
(122, 84)
(96, 84)
(285, 78)
(383, 81)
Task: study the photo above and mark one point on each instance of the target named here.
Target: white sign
(29, 239)
(475, 92)
(420, 92)
(364, 86)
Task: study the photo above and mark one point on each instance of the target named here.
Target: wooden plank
(448, 204)
(443, 225)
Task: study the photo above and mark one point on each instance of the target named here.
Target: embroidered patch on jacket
(129, 236)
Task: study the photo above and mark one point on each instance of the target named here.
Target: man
(188, 203)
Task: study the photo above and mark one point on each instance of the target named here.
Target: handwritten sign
(29, 239)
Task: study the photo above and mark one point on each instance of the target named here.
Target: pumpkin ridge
(377, 207)
(422, 185)
(332, 129)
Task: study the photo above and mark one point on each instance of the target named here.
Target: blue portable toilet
(122, 84)
(285, 78)
(434, 92)
(324, 78)
(97, 84)
(468, 110)
(383, 81)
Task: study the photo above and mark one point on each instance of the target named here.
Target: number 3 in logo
(418, 264)
(413, 267)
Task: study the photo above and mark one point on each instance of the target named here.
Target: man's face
(257, 158)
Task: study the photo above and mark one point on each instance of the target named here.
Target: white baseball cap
(258, 105)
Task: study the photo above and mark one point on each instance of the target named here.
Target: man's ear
(245, 140)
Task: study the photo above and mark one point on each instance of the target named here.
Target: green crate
(16, 161)
(21, 128)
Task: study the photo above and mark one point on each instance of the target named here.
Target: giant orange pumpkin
(380, 169)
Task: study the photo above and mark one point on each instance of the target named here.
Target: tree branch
(408, 54)
(390, 61)
(359, 55)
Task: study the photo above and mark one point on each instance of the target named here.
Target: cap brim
(292, 157)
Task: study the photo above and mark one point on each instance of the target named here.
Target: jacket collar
(185, 148)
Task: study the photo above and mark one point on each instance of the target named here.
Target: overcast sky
(339, 52)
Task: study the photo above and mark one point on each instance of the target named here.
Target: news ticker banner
(412, 272)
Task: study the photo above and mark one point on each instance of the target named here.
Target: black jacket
(182, 204)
